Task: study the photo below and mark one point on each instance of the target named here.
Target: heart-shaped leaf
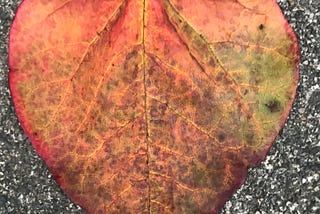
(152, 106)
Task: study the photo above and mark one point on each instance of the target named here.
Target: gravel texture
(286, 182)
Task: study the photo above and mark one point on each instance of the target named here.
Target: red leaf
(152, 106)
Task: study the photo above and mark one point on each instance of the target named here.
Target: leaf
(155, 106)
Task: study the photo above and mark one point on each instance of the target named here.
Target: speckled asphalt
(286, 182)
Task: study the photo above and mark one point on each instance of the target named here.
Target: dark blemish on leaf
(35, 133)
(131, 54)
(273, 105)
(122, 208)
(219, 76)
(261, 27)
(183, 86)
(195, 98)
(102, 193)
(186, 28)
(113, 163)
(150, 71)
(157, 112)
(208, 94)
(250, 139)
(221, 137)
(158, 122)
(212, 62)
(198, 178)
(156, 151)
(223, 78)
(135, 72)
(245, 92)
(89, 139)
(203, 155)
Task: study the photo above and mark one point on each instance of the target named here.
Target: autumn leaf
(152, 106)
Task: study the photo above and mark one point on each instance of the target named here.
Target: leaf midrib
(145, 104)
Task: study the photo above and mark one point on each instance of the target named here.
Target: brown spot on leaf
(212, 62)
(250, 138)
(261, 27)
(222, 137)
(131, 55)
(273, 105)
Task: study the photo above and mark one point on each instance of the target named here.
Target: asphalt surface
(286, 182)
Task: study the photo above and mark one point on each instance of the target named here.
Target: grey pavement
(286, 182)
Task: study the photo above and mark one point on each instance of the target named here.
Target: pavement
(286, 182)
